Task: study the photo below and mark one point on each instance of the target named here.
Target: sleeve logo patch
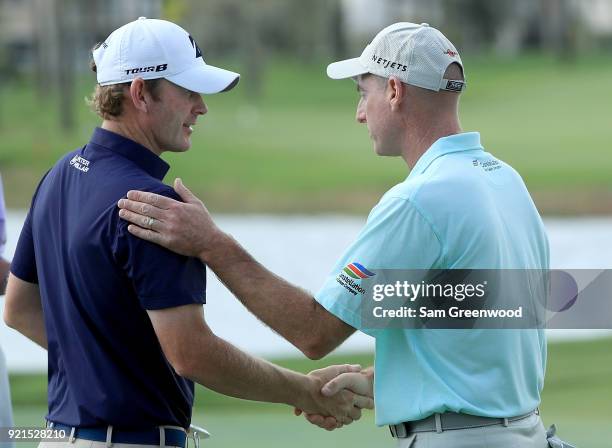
(357, 271)
(351, 274)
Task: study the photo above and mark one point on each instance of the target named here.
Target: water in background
(303, 249)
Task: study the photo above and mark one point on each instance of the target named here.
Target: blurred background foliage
(286, 140)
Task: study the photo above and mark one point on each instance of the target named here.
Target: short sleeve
(396, 236)
(160, 278)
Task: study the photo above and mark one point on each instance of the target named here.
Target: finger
(153, 199)
(340, 369)
(351, 368)
(355, 413)
(142, 221)
(363, 402)
(317, 419)
(328, 423)
(331, 423)
(141, 208)
(184, 192)
(146, 234)
(346, 420)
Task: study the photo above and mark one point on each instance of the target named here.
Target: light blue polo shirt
(460, 208)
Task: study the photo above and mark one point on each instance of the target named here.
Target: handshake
(337, 394)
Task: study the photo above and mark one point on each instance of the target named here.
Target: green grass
(298, 149)
(577, 397)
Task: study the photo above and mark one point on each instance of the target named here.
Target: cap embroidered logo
(197, 48)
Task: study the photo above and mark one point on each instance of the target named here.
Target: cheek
(374, 113)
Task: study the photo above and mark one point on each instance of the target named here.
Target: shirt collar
(137, 153)
(467, 141)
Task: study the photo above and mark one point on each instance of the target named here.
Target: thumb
(332, 387)
(183, 191)
(353, 381)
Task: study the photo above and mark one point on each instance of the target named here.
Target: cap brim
(348, 68)
(206, 79)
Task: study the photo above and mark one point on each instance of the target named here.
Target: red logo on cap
(451, 53)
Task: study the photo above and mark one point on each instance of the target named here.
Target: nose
(361, 115)
(200, 107)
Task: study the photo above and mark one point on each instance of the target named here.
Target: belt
(172, 437)
(451, 421)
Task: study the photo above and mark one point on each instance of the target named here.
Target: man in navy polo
(122, 318)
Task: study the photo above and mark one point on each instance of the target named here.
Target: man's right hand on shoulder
(183, 227)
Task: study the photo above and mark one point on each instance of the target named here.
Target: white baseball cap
(416, 54)
(151, 49)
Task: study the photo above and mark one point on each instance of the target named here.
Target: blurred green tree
(254, 31)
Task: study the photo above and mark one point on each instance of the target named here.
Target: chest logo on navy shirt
(351, 274)
(80, 163)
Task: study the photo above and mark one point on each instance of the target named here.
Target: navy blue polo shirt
(96, 281)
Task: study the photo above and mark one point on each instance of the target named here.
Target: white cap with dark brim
(152, 49)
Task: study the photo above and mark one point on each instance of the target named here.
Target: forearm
(30, 322)
(23, 310)
(32, 325)
(4, 271)
(289, 310)
(219, 366)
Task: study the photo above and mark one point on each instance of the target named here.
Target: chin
(184, 146)
(179, 148)
(379, 151)
(384, 152)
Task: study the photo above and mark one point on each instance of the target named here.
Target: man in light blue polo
(460, 208)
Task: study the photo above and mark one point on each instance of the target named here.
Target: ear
(395, 92)
(137, 95)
